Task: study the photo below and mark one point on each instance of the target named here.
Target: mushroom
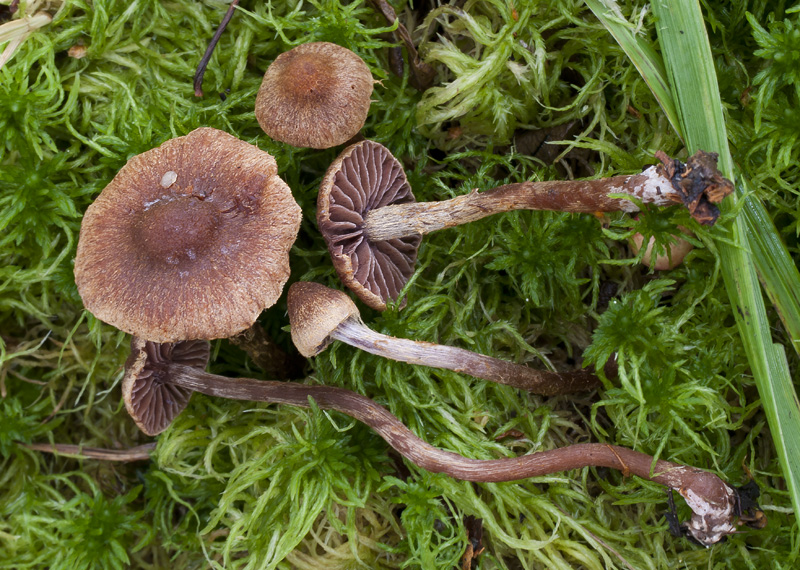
(150, 398)
(314, 95)
(674, 255)
(717, 507)
(373, 226)
(190, 240)
(319, 315)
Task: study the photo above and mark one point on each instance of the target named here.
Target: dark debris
(699, 183)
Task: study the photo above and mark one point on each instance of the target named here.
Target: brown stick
(201, 67)
(422, 74)
(138, 453)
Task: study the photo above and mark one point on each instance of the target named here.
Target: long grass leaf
(690, 68)
(642, 54)
(778, 272)
(697, 118)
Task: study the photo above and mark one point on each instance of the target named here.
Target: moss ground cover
(233, 485)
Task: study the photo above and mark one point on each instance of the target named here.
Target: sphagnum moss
(251, 486)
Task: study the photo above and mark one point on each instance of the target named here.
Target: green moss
(238, 485)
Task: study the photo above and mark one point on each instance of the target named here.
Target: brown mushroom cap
(366, 176)
(314, 313)
(189, 241)
(315, 95)
(677, 251)
(150, 398)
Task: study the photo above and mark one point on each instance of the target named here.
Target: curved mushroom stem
(714, 503)
(697, 184)
(355, 333)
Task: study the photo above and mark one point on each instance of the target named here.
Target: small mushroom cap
(314, 313)
(678, 250)
(189, 241)
(366, 176)
(315, 95)
(151, 400)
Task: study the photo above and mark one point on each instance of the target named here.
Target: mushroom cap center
(308, 77)
(177, 230)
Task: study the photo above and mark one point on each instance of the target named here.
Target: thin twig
(19, 376)
(138, 453)
(201, 68)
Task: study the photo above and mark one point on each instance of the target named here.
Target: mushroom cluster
(190, 242)
(718, 509)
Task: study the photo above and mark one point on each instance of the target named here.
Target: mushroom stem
(697, 184)
(713, 502)
(271, 358)
(355, 333)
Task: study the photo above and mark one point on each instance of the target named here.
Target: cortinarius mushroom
(189, 241)
(373, 226)
(150, 397)
(315, 95)
(319, 315)
(674, 255)
(717, 507)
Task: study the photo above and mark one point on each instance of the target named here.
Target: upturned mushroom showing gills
(150, 398)
(319, 315)
(315, 95)
(373, 226)
(717, 508)
(189, 241)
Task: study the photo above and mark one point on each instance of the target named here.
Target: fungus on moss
(717, 508)
(189, 241)
(373, 226)
(315, 95)
(319, 315)
(151, 399)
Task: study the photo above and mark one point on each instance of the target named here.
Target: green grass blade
(778, 272)
(690, 68)
(642, 54)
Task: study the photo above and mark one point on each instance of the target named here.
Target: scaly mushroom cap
(315, 95)
(189, 241)
(366, 176)
(314, 313)
(151, 400)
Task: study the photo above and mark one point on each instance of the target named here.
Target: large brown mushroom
(315, 95)
(319, 315)
(372, 224)
(717, 508)
(189, 241)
